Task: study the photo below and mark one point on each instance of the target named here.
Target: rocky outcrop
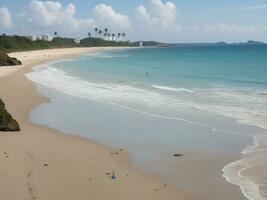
(177, 155)
(5, 60)
(7, 123)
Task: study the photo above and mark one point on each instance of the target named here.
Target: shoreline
(44, 163)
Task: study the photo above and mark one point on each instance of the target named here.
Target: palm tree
(108, 36)
(100, 32)
(118, 37)
(124, 35)
(55, 34)
(106, 33)
(113, 35)
(89, 34)
(96, 31)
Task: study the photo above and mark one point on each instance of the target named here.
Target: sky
(160, 20)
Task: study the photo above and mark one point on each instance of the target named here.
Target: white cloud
(257, 7)
(53, 15)
(106, 16)
(159, 15)
(156, 21)
(5, 18)
(143, 13)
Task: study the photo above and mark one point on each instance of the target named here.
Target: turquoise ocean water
(185, 98)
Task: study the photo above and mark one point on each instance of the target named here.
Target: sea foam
(233, 171)
(247, 107)
(172, 89)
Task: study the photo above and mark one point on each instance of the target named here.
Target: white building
(77, 41)
(47, 37)
(141, 44)
(39, 37)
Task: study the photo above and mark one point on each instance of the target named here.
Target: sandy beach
(41, 163)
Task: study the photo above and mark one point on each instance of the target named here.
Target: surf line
(174, 118)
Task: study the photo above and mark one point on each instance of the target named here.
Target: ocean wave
(247, 107)
(172, 89)
(46, 64)
(233, 172)
(115, 92)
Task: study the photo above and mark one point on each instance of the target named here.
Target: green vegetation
(21, 43)
(99, 42)
(7, 123)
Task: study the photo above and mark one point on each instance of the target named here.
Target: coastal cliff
(7, 123)
(5, 60)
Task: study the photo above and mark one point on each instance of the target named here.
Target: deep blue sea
(206, 99)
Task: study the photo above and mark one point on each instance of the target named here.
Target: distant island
(222, 43)
(254, 42)
(250, 42)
